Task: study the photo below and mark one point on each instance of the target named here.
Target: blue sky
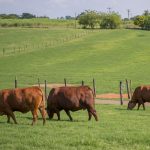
(58, 8)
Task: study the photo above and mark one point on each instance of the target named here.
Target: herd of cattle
(61, 98)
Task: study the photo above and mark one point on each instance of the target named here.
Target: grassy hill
(106, 55)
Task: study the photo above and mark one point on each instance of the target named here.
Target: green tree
(88, 19)
(139, 20)
(27, 16)
(147, 23)
(109, 21)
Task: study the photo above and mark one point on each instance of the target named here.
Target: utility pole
(109, 9)
(75, 25)
(128, 13)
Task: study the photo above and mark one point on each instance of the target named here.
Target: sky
(58, 8)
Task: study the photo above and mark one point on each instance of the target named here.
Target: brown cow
(22, 100)
(140, 96)
(71, 98)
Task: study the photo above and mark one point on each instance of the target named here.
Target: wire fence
(124, 87)
(26, 48)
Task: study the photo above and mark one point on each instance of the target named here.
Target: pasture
(108, 56)
(116, 129)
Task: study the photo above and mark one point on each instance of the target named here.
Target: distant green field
(117, 129)
(37, 22)
(106, 55)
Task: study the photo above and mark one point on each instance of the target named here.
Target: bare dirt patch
(110, 96)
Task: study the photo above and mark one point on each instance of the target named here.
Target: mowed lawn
(106, 55)
(117, 129)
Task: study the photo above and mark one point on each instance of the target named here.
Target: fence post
(65, 82)
(45, 90)
(38, 82)
(15, 82)
(121, 98)
(127, 85)
(130, 88)
(82, 83)
(94, 88)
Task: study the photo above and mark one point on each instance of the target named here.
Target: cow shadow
(122, 109)
(65, 120)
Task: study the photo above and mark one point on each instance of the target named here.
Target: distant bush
(88, 18)
(143, 21)
(105, 20)
(110, 21)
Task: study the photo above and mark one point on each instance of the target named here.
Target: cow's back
(141, 93)
(22, 99)
(72, 98)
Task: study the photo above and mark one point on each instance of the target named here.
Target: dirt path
(116, 102)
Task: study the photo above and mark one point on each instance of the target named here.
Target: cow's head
(131, 105)
(50, 113)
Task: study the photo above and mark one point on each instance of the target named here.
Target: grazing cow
(22, 100)
(140, 96)
(71, 98)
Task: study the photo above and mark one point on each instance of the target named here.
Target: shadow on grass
(124, 109)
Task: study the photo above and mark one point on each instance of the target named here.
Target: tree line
(143, 20)
(92, 19)
(22, 16)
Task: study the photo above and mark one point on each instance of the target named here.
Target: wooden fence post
(65, 82)
(121, 98)
(94, 88)
(38, 82)
(45, 90)
(127, 86)
(15, 82)
(82, 83)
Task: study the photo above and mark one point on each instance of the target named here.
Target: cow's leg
(93, 112)
(34, 114)
(139, 104)
(68, 113)
(58, 114)
(90, 115)
(143, 106)
(11, 114)
(43, 113)
(8, 119)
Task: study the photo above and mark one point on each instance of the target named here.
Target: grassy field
(37, 22)
(54, 54)
(117, 129)
(106, 55)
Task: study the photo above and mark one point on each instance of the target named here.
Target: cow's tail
(42, 95)
(93, 96)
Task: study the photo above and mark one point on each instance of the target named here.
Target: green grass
(117, 129)
(106, 55)
(37, 22)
